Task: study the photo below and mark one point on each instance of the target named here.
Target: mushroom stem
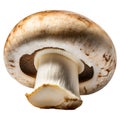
(58, 70)
(57, 79)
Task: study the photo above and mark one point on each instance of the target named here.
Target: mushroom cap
(66, 31)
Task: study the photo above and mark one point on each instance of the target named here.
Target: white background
(102, 105)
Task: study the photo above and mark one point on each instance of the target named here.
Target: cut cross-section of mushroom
(60, 54)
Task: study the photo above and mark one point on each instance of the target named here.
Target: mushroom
(60, 54)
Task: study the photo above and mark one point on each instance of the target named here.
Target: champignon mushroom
(60, 54)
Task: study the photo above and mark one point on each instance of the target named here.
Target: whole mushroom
(60, 54)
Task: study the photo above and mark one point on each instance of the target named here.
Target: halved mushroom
(60, 54)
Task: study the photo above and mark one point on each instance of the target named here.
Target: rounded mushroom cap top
(65, 31)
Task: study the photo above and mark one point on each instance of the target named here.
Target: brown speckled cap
(65, 31)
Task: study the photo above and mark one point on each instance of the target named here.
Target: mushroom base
(53, 96)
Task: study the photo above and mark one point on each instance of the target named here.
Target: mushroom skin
(66, 31)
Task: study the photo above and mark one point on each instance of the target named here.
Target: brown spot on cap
(12, 61)
(106, 57)
(12, 65)
(87, 54)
